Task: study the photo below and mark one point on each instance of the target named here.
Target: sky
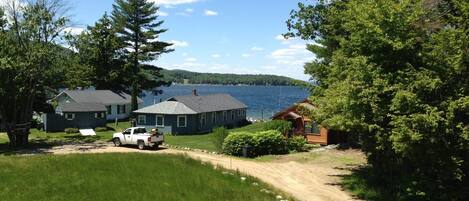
(218, 36)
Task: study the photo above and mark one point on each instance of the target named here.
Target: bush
(100, 129)
(297, 143)
(71, 130)
(278, 125)
(235, 142)
(261, 143)
(219, 135)
(269, 142)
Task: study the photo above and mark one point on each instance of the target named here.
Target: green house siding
(194, 122)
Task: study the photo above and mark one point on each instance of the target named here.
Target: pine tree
(139, 29)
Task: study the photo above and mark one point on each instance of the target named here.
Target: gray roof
(209, 103)
(105, 97)
(167, 107)
(81, 107)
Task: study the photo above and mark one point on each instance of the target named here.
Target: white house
(118, 105)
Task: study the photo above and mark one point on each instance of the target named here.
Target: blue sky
(220, 36)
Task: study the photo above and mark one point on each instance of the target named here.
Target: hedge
(279, 125)
(71, 130)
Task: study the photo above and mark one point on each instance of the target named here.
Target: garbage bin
(247, 151)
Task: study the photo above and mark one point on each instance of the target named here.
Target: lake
(262, 101)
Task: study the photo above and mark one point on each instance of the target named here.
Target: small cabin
(304, 125)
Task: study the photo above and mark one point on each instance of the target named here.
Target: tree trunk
(18, 134)
(134, 96)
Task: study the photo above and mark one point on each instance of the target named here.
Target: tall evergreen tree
(139, 29)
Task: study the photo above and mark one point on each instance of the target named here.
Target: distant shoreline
(235, 85)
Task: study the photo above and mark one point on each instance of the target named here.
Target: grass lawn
(42, 139)
(120, 176)
(204, 141)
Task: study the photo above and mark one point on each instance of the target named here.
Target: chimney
(194, 92)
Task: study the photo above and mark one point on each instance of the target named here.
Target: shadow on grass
(37, 146)
(364, 184)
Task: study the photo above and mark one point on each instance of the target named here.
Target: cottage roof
(210, 103)
(167, 107)
(105, 97)
(81, 107)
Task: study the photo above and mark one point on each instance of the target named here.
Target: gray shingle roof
(209, 103)
(105, 97)
(167, 107)
(81, 107)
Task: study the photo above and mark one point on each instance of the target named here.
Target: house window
(109, 109)
(239, 113)
(225, 116)
(202, 119)
(233, 112)
(69, 116)
(99, 115)
(182, 121)
(123, 109)
(160, 120)
(118, 109)
(142, 119)
(312, 127)
(214, 117)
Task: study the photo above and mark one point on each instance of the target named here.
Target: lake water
(262, 101)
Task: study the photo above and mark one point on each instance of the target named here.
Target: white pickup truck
(138, 136)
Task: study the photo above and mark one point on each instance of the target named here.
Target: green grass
(38, 139)
(204, 141)
(121, 177)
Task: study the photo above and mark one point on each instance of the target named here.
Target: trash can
(247, 151)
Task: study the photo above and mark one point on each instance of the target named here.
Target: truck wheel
(141, 145)
(117, 142)
(155, 147)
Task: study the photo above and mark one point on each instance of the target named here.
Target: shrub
(297, 143)
(235, 142)
(260, 143)
(278, 125)
(219, 135)
(100, 129)
(71, 130)
(269, 142)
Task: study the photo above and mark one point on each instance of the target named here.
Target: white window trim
(156, 119)
(178, 123)
(66, 116)
(144, 119)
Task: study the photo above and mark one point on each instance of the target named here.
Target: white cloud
(74, 30)
(257, 48)
(162, 13)
(184, 54)
(216, 56)
(177, 43)
(245, 55)
(191, 59)
(173, 2)
(189, 10)
(210, 13)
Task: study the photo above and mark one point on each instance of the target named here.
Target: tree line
(38, 56)
(180, 76)
(395, 76)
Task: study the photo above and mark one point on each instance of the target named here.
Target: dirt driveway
(312, 181)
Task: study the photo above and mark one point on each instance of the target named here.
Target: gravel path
(304, 181)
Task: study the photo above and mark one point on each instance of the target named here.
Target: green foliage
(101, 129)
(218, 137)
(260, 143)
(297, 143)
(395, 74)
(279, 125)
(31, 61)
(235, 142)
(71, 130)
(178, 76)
(138, 29)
